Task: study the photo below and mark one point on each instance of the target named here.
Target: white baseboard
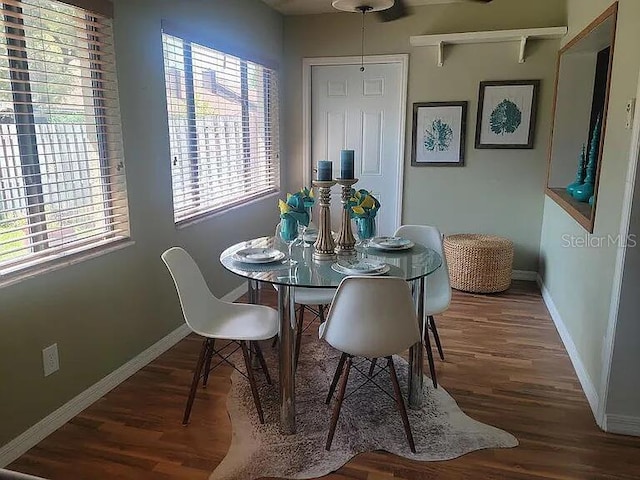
(528, 275)
(45, 427)
(622, 424)
(585, 380)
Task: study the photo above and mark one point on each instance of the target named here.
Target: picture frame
(507, 114)
(439, 134)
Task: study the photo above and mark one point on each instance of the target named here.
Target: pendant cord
(362, 45)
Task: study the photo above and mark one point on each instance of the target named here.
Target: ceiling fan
(387, 10)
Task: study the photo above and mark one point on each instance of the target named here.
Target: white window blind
(223, 127)
(62, 186)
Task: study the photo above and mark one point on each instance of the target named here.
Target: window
(223, 131)
(62, 187)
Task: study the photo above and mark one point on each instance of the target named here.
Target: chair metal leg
(336, 377)
(400, 403)
(252, 380)
(373, 366)
(436, 337)
(299, 325)
(432, 367)
(263, 364)
(207, 362)
(195, 381)
(338, 405)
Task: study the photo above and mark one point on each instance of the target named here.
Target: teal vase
(585, 191)
(580, 174)
(365, 228)
(288, 229)
(591, 199)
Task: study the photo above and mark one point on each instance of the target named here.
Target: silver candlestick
(346, 241)
(324, 247)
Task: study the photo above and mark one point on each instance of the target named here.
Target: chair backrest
(437, 285)
(197, 302)
(372, 317)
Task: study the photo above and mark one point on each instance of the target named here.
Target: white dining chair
(215, 319)
(371, 317)
(437, 286)
(312, 299)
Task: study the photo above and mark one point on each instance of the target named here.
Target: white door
(361, 111)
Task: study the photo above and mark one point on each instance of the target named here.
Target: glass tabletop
(412, 264)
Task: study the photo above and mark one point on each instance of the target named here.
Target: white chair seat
(241, 322)
(314, 296)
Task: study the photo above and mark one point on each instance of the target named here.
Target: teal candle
(325, 170)
(346, 164)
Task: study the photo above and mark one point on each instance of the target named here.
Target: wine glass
(289, 234)
(366, 230)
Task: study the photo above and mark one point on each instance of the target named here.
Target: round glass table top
(410, 264)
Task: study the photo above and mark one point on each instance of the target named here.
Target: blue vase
(288, 229)
(365, 227)
(580, 174)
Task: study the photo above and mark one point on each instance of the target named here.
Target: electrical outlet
(50, 360)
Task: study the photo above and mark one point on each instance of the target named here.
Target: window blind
(223, 127)
(62, 185)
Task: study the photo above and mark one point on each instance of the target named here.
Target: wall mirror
(579, 119)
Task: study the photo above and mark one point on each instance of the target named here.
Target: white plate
(258, 255)
(362, 267)
(391, 243)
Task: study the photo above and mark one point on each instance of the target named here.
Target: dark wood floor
(505, 365)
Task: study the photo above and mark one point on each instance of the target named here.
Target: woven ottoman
(479, 263)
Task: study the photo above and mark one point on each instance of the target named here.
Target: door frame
(400, 59)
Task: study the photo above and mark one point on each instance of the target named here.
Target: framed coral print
(438, 133)
(507, 114)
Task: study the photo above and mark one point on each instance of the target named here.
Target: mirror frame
(562, 199)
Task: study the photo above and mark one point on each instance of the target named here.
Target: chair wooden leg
(263, 364)
(400, 403)
(207, 362)
(336, 377)
(436, 337)
(195, 381)
(373, 366)
(299, 325)
(432, 367)
(338, 405)
(252, 380)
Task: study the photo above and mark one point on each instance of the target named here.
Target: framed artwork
(507, 114)
(438, 134)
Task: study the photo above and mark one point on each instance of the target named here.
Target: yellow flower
(367, 202)
(358, 210)
(284, 208)
(289, 196)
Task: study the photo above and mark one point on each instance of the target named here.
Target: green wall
(104, 311)
(498, 191)
(579, 279)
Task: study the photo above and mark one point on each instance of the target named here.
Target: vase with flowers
(364, 208)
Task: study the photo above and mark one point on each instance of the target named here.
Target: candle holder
(346, 241)
(324, 247)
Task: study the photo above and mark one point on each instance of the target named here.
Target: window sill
(217, 213)
(63, 261)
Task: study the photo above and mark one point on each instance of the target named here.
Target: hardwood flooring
(504, 364)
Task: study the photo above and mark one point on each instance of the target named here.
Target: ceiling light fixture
(362, 6)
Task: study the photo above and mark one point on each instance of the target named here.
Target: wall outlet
(50, 360)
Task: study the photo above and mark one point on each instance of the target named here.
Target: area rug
(368, 421)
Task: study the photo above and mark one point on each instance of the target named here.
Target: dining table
(413, 264)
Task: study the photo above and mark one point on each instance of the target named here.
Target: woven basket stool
(479, 263)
